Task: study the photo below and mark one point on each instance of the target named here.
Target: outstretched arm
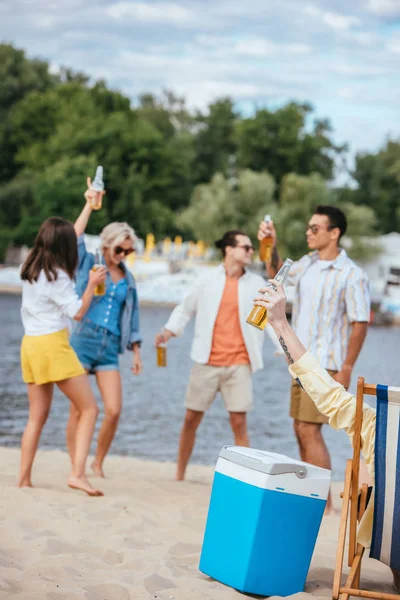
(274, 300)
(181, 315)
(328, 395)
(83, 219)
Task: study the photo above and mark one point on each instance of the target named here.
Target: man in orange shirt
(225, 349)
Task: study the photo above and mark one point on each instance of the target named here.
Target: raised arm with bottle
(83, 219)
(111, 324)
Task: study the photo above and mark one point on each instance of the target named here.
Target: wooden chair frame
(354, 502)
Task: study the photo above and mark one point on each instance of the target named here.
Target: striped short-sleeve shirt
(340, 297)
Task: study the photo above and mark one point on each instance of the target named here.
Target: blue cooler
(263, 521)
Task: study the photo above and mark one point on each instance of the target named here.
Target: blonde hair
(115, 234)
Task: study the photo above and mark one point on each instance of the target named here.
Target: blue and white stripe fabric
(385, 545)
(341, 296)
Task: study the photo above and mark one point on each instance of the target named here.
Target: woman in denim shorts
(110, 326)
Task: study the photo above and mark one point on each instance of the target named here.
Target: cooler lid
(265, 462)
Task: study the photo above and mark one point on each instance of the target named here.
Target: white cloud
(165, 12)
(384, 8)
(357, 70)
(262, 48)
(394, 45)
(347, 93)
(333, 53)
(332, 19)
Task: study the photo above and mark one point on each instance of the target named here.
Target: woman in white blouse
(49, 301)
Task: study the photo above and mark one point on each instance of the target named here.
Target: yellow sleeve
(336, 403)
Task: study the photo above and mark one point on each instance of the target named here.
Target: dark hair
(228, 239)
(336, 217)
(55, 248)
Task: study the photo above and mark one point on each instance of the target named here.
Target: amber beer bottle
(266, 244)
(98, 187)
(100, 289)
(162, 355)
(258, 316)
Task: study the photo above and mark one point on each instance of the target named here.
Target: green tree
(215, 140)
(378, 179)
(299, 196)
(279, 142)
(18, 77)
(216, 207)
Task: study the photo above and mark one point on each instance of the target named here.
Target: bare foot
(81, 484)
(97, 470)
(25, 483)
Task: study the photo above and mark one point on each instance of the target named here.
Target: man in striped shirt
(330, 316)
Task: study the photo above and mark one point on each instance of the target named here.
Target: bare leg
(40, 397)
(313, 449)
(71, 430)
(78, 390)
(109, 383)
(188, 436)
(239, 428)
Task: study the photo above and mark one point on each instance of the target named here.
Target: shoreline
(141, 541)
(12, 290)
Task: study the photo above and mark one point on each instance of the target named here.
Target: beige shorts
(234, 383)
(302, 408)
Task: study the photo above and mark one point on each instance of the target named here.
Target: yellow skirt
(48, 358)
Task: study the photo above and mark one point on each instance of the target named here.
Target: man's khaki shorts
(302, 408)
(234, 383)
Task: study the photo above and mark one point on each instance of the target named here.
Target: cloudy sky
(341, 55)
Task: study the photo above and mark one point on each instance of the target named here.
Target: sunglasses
(119, 250)
(316, 228)
(246, 247)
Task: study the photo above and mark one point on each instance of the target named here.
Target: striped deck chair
(385, 545)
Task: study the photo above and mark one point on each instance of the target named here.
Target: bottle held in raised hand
(97, 187)
(266, 244)
(258, 316)
(100, 289)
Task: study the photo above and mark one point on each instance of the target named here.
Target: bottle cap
(98, 183)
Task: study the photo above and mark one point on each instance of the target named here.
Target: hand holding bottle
(272, 297)
(267, 229)
(161, 347)
(258, 316)
(162, 337)
(97, 277)
(95, 192)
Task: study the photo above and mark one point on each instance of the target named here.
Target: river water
(153, 403)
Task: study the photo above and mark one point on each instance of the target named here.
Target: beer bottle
(162, 354)
(258, 316)
(266, 244)
(100, 289)
(98, 187)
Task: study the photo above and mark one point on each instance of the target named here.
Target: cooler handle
(257, 465)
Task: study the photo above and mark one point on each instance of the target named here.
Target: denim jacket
(129, 323)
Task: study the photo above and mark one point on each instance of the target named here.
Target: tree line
(169, 170)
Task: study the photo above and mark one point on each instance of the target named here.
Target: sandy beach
(141, 541)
